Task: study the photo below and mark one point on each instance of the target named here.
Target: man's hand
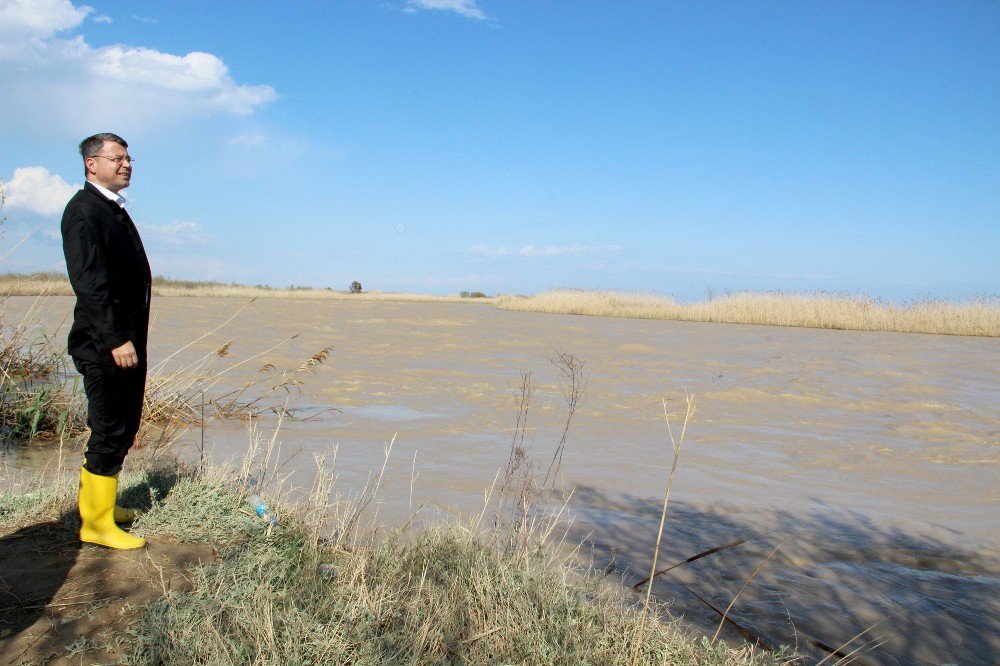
(125, 356)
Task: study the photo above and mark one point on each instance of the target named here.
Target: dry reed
(819, 310)
(178, 395)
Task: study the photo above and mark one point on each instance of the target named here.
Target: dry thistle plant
(573, 384)
(519, 466)
(518, 529)
(519, 483)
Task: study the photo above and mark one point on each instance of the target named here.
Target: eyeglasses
(118, 159)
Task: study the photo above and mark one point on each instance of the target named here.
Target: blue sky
(509, 147)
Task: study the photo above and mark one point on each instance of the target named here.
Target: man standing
(110, 275)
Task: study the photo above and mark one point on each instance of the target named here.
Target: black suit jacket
(110, 275)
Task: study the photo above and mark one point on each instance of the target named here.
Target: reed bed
(979, 317)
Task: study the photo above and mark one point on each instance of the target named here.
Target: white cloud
(176, 234)
(48, 75)
(29, 20)
(532, 251)
(37, 190)
(466, 8)
(194, 72)
(103, 19)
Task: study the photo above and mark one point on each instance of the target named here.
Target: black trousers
(114, 409)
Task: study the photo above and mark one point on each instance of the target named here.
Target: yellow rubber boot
(125, 515)
(97, 508)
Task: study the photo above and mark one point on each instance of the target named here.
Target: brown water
(873, 459)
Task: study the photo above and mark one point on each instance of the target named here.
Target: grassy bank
(318, 589)
(835, 311)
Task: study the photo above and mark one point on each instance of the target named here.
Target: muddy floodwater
(862, 469)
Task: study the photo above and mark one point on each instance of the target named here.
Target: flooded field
(867, 463)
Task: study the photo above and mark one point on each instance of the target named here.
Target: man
(110, 275)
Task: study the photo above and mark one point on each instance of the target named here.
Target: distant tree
(355, 287)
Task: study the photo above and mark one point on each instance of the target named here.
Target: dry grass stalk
(676, 444)
(367, 496)
(693, 558)
(845, 658)
(736, 596)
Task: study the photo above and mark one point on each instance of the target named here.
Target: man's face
(110, 167)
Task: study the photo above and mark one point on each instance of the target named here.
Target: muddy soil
(66, 603)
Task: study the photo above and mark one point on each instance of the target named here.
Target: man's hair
(92, 144)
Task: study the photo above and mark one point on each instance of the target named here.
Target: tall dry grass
(819, 310)
(34, 284)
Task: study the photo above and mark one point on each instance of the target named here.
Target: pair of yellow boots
(99, 515)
